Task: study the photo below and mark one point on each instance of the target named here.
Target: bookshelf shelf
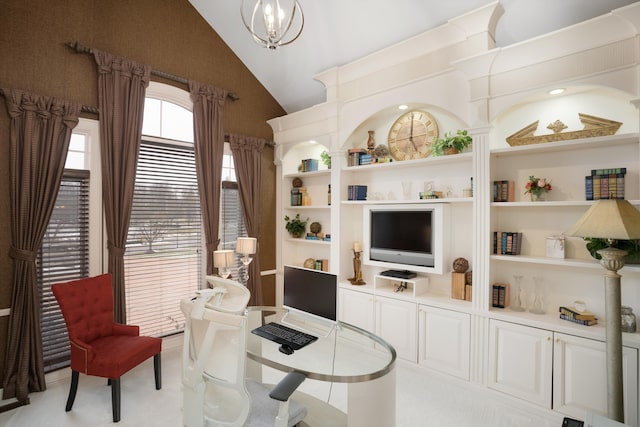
(303, 241)
(550, 204)
(550, 147)
(312, 174)
(404, 202)
(307, 208)
(563, 262)
(440, 160)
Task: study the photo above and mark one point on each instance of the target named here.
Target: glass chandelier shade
(272, 23)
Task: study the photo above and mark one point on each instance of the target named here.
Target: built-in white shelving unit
(494, 93)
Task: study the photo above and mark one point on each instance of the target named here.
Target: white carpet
(423, 400)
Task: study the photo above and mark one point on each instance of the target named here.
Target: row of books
(585, 318)
(507, 242)
(504, 191)
(598, 187)
(358, 157)
(309, 165)
(299, 196)
(318, 236)
(500, 295)
(321, 264)
(357, 192)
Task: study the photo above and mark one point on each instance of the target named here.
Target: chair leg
(115, 399)
(72, 390)
(157, 370)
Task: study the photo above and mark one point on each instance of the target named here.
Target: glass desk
(345, 354)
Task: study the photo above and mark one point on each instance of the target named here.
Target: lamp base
(613, 260)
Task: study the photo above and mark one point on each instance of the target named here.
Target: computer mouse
(286, 349)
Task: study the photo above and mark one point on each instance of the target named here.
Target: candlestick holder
(246, 246)
(357, 271)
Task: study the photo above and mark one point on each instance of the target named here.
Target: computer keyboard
(284, 335)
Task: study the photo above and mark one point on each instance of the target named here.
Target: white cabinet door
(580, 378)
(443, 339)
(396, 323)
(520, 361)
(356, 308)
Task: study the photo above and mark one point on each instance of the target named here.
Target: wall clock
(412, 135)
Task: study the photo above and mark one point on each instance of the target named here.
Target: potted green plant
(295, 226)
(326, 159)
(451, 143)
(631, 246)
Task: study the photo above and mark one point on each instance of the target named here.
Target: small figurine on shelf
(371, 143)
(357, 264)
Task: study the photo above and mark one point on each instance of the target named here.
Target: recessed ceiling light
(557, 91)
(403, 107)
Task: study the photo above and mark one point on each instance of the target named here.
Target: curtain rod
(84, 108)
(94, 110)
(227, 137)
(78, 48)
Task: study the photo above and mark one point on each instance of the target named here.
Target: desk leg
(372, 403)
(253, 369)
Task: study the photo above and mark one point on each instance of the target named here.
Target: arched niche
(381, 122)
(293, 154)
(599, 101)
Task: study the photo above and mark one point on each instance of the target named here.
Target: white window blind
(231, 222)
(63, 256)
(163, 257)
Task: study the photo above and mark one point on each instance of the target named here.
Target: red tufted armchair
(99, 346)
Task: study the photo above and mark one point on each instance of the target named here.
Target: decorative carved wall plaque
(593, 126)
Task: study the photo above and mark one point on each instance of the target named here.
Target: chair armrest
(285, 388)
(120, 329)
(81, 355)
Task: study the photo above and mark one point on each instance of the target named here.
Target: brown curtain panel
(122, 85)
(40, 134)
(247, 158)
(208, 105)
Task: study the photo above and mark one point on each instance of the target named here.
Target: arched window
(164, 260)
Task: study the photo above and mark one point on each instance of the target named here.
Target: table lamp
(611, 220)
(246, 246)
(223, 260)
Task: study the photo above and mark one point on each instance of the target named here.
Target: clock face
(412, 135)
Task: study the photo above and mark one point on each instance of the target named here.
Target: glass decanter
(517, 293)
(538, 302)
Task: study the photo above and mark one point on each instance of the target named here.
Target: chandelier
(272, 20)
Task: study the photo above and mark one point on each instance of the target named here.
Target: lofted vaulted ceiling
(337, 32)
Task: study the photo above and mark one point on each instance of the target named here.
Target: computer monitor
(311, 292)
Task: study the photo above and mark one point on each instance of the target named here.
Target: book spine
(596, 188)
(588, 187)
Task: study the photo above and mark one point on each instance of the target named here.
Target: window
(63, 256)
(164, 248)
(71, 245)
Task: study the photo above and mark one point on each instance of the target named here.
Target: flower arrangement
(537, 186)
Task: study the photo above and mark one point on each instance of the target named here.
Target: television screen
(311, 291)
(405, 237)
(401, 230)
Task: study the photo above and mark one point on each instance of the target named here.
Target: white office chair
(215, 392)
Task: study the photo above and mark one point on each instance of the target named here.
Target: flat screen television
(405, 237)
(311, 292)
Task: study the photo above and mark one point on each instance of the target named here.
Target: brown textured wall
(168, 35)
